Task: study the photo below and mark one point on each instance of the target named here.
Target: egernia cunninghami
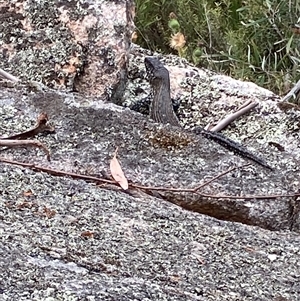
(161, 111)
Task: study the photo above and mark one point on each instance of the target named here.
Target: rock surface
(75, 45)
(68, 239)
(71, 240)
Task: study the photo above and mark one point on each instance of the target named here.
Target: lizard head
(156, 71)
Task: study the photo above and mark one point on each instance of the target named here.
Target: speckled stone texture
(141, 249)
(64, 239)
(75, 45)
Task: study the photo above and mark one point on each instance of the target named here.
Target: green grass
(249, 40)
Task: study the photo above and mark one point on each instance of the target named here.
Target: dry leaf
(25, 205)
(47, 212)
(88, 234)
(117, 172)
(27, 193)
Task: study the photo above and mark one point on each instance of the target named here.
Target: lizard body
(161, 110)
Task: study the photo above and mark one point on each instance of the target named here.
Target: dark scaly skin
(161, 110)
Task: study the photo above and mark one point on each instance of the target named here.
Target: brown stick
(293, 93)
(231, 117)
(40, 127)
(18, 139)
(147, 188)
(8, 76)
(25, 143)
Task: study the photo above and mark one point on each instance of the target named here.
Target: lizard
(161, 111)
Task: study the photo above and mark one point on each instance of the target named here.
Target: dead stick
(8, 76)
(231, 117)
(101, 180)
(219, 176)
(57, 172)
(41, 126)
(25, 143)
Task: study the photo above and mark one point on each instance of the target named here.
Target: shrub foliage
(256, 40)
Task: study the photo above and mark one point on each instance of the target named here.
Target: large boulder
(64, 238)
(75, 45)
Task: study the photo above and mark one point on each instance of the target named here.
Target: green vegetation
(250, 40)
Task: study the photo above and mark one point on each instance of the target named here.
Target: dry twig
(245, 108)
(150, 188)
(24, 143)
(293, 93)
(8, 76)
(41, 126)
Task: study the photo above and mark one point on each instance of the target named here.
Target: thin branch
(57, 172)
(25, 143)
(219, 176)
(8, 76)
(248, 102)
(40, 127)
(18, 139)
(148, 188)
(293, 93)
(231, 117)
